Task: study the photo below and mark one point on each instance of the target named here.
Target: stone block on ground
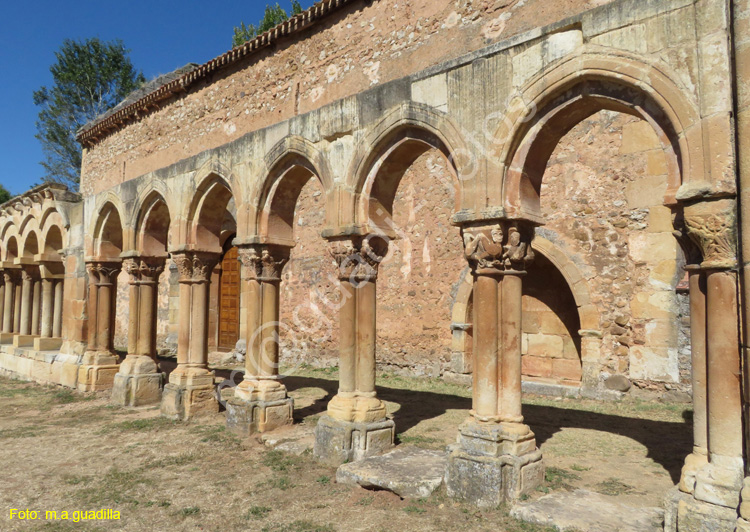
(585, 510)
(409, 472)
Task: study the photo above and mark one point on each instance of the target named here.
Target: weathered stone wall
(362, 45)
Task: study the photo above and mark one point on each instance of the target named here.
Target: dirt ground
(66, 451)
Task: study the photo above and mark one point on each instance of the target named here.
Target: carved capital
(358, 258)
(203, 265)
(498, 248)
(11, 276)
(103, 272)
(712, 225)
(184, 263)
(263, 262)
(143, 269)
(30, 274)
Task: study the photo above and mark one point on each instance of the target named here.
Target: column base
(694, 462)
(47, 344)
(338, 442)
(6, 338)
(250, 417)
(24, 340)
(699, 516)
(188, 402)
(720, 484)
(493, 463)
(137, 390)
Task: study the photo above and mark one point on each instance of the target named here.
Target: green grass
(556, 478)
(325, 480)
(257, 512)
(300, 526)
(280, 461)
(614, 487)
(419, 440)
(114, 487)
(140, 425)
(190, 510)
(27, 431)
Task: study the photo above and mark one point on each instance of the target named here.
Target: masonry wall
(365, 44)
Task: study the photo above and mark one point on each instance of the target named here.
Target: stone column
(28, 279)
(138, 381)
(496, 459)
(190, 391)
(716, 495)
(355, 425)
(57, 315)
(99, 364)
(260, 402)
(699, 457)
(36, 306)
(17, 298)
(11, 278)
(2, 297)
(47, 306)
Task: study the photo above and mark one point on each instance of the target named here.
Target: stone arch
(11, 248)
(153, 222)
(30, 244)
(108, 233)
(54, 231)
(211, 214)
(292, 162)
(556, 100)
(394, 143)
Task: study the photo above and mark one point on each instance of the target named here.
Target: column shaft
(254, 329)
(697, 282)
(47, 304)
(92, 308)
(366, 336)
(147, 318)
(269, 363)
(105, 316)
(199, 324)
(26, 294)
(57, 318)
(510, 373)
(10, 291)
(133, 306)
(486, 346)
(348, 339)
(2, 301)
(36, 305)
(724, 397)
(17, 302)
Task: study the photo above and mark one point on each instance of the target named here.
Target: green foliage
(273, 16)
(90, 77)
(4, 194)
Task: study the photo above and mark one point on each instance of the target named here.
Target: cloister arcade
(62, 255)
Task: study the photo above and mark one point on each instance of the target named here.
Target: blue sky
(162, 36)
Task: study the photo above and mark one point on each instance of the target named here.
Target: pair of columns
(190, 390)
(712, 476)
(260, 401)
(32, 298)
(138, 380)
(495, 458)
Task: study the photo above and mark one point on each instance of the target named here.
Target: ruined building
(531, 194)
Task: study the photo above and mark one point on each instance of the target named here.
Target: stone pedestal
(97, 372)
(47, 344)
(338, 442)
(188, 402)
(24, 340)
(138, 382)
(493, 463)
(259, 406)
(190, 392)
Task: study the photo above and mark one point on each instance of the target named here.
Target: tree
(273, 16)
(89, 77)
(4, 194)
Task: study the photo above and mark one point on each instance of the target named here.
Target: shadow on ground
(667, 442)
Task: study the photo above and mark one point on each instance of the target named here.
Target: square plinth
(249, 417)
(338, 442)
